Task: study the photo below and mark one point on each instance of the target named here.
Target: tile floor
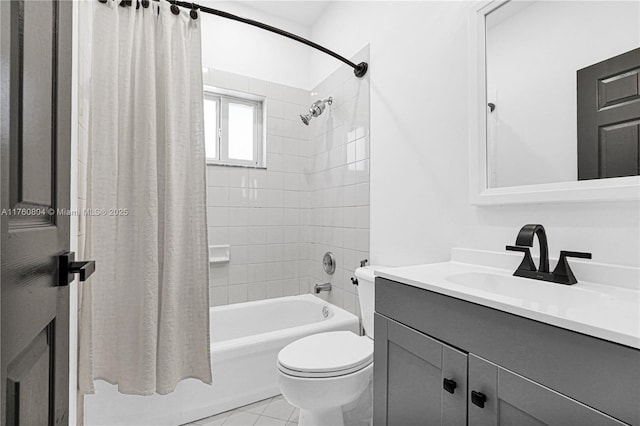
(274, 411)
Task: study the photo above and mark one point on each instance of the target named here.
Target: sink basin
(493, 283)
(503, 286)
(526, 290)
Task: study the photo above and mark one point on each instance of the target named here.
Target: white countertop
(605, 311)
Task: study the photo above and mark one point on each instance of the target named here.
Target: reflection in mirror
(543, 126)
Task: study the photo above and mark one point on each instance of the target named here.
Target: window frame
(223, 98)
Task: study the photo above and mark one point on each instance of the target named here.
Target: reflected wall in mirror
(534, 51)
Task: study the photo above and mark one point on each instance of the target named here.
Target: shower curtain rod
(358, 69)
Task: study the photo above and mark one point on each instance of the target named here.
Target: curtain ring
(145, 3)
(174, 9)
(193, 13)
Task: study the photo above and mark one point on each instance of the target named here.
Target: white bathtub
(245, 341)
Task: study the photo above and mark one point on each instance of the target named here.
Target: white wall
(253, 52)
(532, 59)
(419, 143)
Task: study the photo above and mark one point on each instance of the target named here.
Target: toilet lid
(326, 354)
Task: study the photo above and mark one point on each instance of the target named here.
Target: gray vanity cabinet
(515, 400)
(509, 370)
(411, 382)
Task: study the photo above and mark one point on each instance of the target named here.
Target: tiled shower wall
(337, 178)
(312, 197)
(257, 211)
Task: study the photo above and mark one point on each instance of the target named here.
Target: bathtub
(245, 341)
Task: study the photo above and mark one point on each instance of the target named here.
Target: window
(233, 129)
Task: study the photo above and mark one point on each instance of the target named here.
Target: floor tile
(270, 421)
(241, 418)
(256, 407)
(294, 418)
(279, 408)
(216, 420)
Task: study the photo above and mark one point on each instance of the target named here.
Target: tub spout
(321, 287)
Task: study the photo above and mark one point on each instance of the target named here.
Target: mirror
(562, 91)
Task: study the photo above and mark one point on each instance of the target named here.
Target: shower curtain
(144, 316)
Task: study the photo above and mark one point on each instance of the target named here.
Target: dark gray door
(510, 399)
(410, 370)
(609, 118)
(35, 111)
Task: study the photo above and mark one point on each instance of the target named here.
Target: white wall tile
(238, 177)
(256, 272)
(238, 293)
(257, 235)
(275, 108)
(238, 235)
(257, 178)
(238, 216)
(237, 274)
(275, 288)
(218, 235)
(256, 291)
(257, 217)
(217, 176)
(274, 271)
(291, 287)
(274, 144)
(275, 235)
(218, 216)
(218, 275)
(256, 254)
(218, 296)
(275, 216)
(237, 255)
(275, 252)
(238, 197)
(217, 196)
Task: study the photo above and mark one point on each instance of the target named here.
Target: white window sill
(246, 166)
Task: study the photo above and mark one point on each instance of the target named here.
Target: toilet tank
(366, 296)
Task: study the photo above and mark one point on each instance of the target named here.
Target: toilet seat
(329, 354)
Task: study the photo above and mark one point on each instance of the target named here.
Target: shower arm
(358, 69)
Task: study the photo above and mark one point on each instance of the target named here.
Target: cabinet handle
(449, 385)
(478, 398)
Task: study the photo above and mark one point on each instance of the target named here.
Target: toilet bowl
(323, 372)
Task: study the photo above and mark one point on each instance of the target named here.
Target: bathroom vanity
(486, 348)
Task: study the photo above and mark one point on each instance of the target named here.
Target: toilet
(323, 372)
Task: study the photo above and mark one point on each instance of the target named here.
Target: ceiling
(301, 12)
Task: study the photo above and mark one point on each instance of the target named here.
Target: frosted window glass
(241, 131)
(211, 128)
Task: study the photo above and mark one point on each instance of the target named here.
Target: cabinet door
(511, 399)
(410, 370)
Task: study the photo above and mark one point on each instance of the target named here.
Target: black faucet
(562, 273)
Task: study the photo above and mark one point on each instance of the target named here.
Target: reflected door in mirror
(609, 118)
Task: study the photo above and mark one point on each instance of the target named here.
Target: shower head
(316, 109)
